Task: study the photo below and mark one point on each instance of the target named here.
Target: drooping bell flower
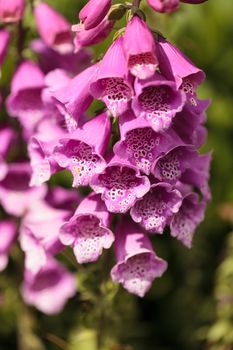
(50, 59)
(40, 150)
(88, 230)
(53, 28)
(174, 65)
(62, 198)
(8, 233)
(11, 10)
(170, 166)
(50, 288)
(39, 234)
(94, 12)
(112, 84)
(189, 127)
(120, 184)
(55, 81)
(92, 36)
(164, 5)
(137, 264)
(155, 210)
(75, 97)
(4, 42)
(157, 100)
(140, 52)
(189, 216)
(193, 103)
(140, 144)
(24, 101)
(82, 151)
(7, 136)
(198, 175)
(16, 196)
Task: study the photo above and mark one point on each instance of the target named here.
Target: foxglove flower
(164, 5)
(82, 154)
(158, 101)
(112, 84)
(120, 185)
(49, 289)
(50, 59)
(16, 196)
(87, 231)
(25, 100)
(40, 150)
(189, 127)
(137, 264)
(140, 53)
(174, 65)
(39, 234)
(56, 80)
(140, 144)
(53, 28)
(11, 10)
(4, 42)
(155, 210)
(8, 233)
(7, 136)
(94, 12)
(185, 222)
(75, 97)
(198, 175)
(92, 36)
(171, 166)
(62, 198)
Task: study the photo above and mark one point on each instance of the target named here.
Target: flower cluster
(138, 158)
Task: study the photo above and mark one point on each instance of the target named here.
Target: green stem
(136, 3)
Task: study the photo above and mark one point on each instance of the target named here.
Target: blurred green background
(191, 306)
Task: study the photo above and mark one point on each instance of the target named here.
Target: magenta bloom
(120, 185)
(62, 198)
(40, 150)
(82, 151)
(53, 28)
(75, 97)
(140, 144)
(11, 10)
(7, 136)
(174, 65)
(198, 175)
(4, 42)
(158, 101)
(137, 264)
(16, 196)
(92, 36)
(94, 12)
(155, 210)
(8, 234)
(50, 288)
(185, 222)
(87, 231)
(50, 59)
(25, 100)
(171, 166)
(112, 84)
(39, 234)
(164, 5)
(188, 126)
(140, 53)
